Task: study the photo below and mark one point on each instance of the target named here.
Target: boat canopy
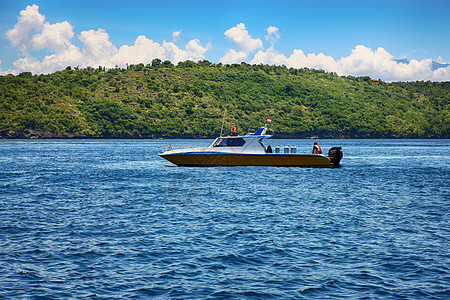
(261, 131)
(250, 142)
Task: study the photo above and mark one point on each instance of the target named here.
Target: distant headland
(160, 100)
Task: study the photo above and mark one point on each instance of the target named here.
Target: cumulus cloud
(145, 50)
(30, 19)
(272, 33)
(71, 56)
(176, 35)
(441, 74)
(196, 51)
(55, 37)
(97, 49)
(298, 59)
(233, 56)
(269, 57)
(32, 33)
(362, 61)
(243, 40)
(380, 63)
(245, 44)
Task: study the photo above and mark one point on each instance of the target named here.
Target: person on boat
(234, 130)
(316, 149)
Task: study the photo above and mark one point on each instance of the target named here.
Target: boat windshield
(262, 145)
(229, 142)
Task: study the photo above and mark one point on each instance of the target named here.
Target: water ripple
(108, 219)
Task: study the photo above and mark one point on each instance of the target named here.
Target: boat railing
(170, 147)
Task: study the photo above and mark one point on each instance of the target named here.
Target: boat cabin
(251, 143)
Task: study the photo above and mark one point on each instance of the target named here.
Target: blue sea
(105, 219)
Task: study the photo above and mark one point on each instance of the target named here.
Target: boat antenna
(224, 112)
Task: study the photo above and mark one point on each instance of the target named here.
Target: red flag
(269, 119)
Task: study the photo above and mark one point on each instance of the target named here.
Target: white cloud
(245, 44)
(362, 61)
(28, 63)
(297, 60)
(145, 50)
(71, 56)
(313, 61)
(192, 51)
(269, 57)
(381, 64)
(172, 52)
(97, 48)
(29, 19)
(55, 37)
(176, 35)
(441, 74)
(272, 33)
(196, 51)
(232, 56)
(243, 40)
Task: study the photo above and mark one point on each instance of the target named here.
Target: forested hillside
(188, 100)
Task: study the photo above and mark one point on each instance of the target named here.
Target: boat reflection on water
(249, 150)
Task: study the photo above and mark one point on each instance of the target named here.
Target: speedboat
(249, 150)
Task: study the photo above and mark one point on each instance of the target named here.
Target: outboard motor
(335, 154)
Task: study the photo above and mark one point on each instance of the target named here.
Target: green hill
(188, 100)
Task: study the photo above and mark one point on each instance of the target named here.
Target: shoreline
(37, 134)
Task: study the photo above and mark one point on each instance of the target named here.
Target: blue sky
(347, 37)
